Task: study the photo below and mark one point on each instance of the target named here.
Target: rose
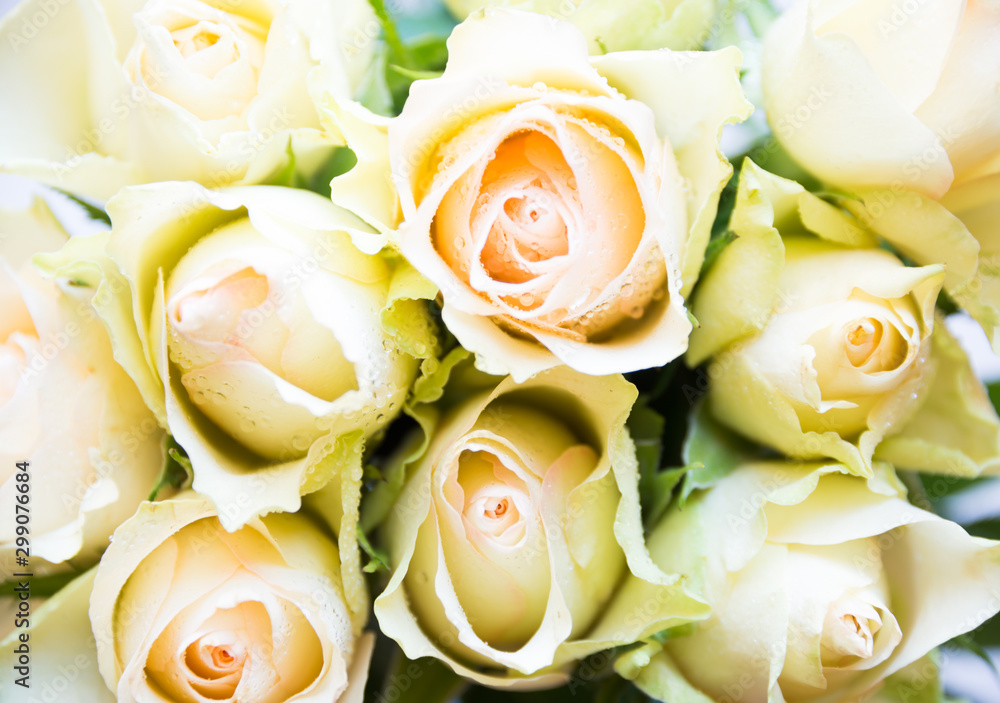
(898, 104)
(877, 95)
(173, 89)
(514, 528)
(821, 587)
(640, 24)
(184, 609)
(544, 194)
(260, 335)
(80, 450)
(825, 346)
(59, 627)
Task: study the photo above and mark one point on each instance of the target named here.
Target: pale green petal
(740, 291)
(656, 675)
(977, 204)
(26, 232)
(737, 295)
(956, 431)
(405, 317)
(643, 24)
(85, 261)
(711, 80)
(919, 682)
(367, 188)
(61, 648)
(742, 398)
(921, 229)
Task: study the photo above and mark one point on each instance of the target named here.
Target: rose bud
(79, 450)
(175, 89)
(184, 609)
(899, 107)
(823, 587)
(262, 337)
(824, 344)
(514, 529)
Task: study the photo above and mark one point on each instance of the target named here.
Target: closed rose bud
(260, 334)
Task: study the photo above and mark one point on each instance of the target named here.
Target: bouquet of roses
(398, 353)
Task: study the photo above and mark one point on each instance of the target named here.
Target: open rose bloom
(561, 202)
(822, 587)
(267, 342)
(67, 408)
(515, 526)
(826, 345)
(172, 89)
(185, 610)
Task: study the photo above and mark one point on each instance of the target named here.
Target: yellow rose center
(849, 632)
(492, 495)
(202, 58)
(874, 346)
(546, 225)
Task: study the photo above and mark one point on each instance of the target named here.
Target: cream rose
(173, 89)
(825, 345)
(261, 336)
(875, 94)
(561, 203)
(620, 26)
(57, 373)
(60, 628)
(514, 528)
(900, 106)
(821, 587)
(183, 609)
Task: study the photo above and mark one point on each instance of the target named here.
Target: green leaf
(673, 632)
(340, 162)
(425, 680)
(392, 37)
(712, 452)
(414, 74)
(41, 586)
(287, 175)
(715, 247)
(176, 471)
(93, 211)
(968, 643)
(378, 560)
